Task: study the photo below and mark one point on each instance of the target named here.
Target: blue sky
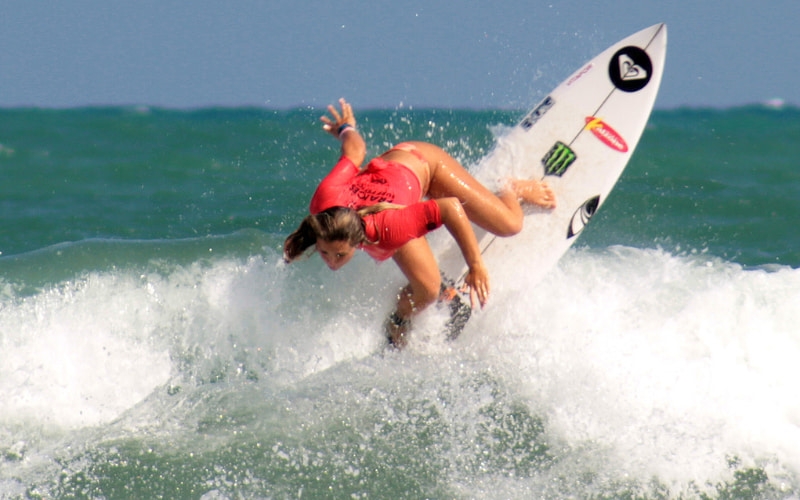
(441, 53)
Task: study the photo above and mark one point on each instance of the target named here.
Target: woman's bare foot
(534, 192)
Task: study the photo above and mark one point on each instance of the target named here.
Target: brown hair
(333, 224)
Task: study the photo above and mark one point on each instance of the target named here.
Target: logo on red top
(606, 134)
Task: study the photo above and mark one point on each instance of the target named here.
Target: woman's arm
(456, 221)
(343, 127)
(353, 145)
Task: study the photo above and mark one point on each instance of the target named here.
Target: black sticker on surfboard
(460, 311)
(558, 159)
(581, 216)
(630, 69)
(537, 113)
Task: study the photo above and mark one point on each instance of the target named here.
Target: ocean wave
(625, 364)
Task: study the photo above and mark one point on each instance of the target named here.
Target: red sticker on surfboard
(606, 134)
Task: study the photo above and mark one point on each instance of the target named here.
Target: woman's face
(335, 253)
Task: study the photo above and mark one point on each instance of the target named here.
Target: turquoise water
(153, 345)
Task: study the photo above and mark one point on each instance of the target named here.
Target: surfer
(387, 207)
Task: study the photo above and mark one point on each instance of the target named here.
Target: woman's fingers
(478, 290)
(478, 296)
(483, 293)
(338, 119)
(334, 113)
(473, 298)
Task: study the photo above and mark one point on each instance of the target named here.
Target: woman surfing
(387, 208)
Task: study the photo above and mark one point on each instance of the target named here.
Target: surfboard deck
(579, 139)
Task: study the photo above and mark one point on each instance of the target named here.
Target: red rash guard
(380, 181)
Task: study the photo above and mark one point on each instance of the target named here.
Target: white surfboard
(579, 139)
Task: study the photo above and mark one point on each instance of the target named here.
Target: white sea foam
(78, 354)
(642, 363)
(667, 366)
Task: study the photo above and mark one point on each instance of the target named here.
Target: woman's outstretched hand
(335, 123)
(343, 127)
(477, 280)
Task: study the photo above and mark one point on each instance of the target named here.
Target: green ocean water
(152, 345)
(701, 178)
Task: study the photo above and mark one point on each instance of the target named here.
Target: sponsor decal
(581, 216)
(579, 74)
(537, 113)
(630, 69)
(606, 134)
(558, 159)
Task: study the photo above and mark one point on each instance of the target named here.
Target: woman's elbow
(451, 209)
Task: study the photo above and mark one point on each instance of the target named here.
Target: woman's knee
(509, 227)
(507, 216)
(497, 218)
(425, 294)
(417, 262)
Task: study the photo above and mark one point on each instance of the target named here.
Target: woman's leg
(417, 262)
(500, 213)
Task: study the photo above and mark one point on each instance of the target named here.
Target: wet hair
(333, 224)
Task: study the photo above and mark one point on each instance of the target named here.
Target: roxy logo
(606, 134)
(630, 69)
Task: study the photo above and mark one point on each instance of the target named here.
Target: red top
(380, 181)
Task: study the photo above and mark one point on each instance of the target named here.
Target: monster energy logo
(558, 159)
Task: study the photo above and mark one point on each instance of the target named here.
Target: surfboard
(579, 139)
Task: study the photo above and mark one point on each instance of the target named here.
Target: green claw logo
(558, 159)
